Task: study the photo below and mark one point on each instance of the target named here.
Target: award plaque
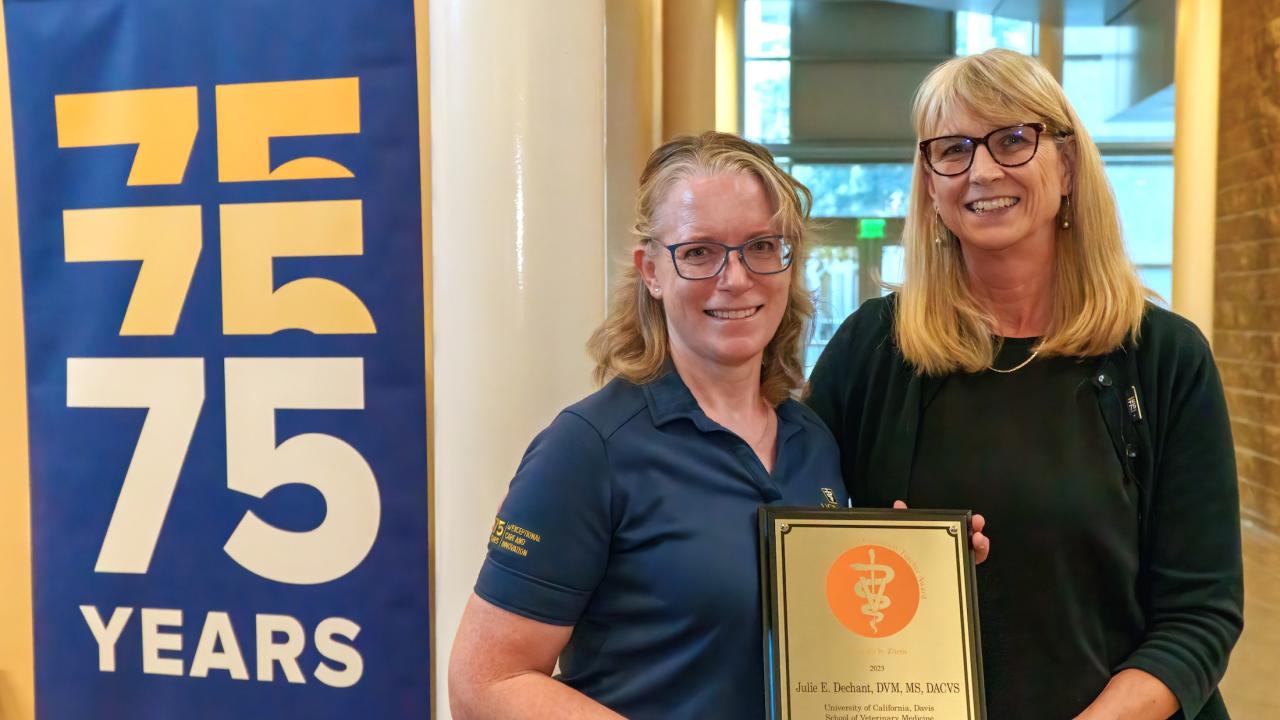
(869, 614)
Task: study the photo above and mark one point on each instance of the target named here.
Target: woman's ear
(928, 186)
(1067, 165)
(648, 270)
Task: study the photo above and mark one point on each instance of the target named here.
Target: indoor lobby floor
(1251, 688)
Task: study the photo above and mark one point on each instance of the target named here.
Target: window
(1136, 140)
(832, 275)
(766, 70)
(871, 190)
(977, 32)
(1144, 193)
(858, 205)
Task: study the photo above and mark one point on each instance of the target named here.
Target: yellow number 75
(167, 239)
(163, 123)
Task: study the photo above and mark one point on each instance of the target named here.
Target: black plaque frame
(770, 587)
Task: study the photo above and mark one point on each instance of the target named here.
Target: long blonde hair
(1098, 299)
(632, 342)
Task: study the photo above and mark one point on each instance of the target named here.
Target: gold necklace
(1015, 368)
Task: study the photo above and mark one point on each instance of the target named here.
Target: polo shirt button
(1104, 380)
(1131, 450)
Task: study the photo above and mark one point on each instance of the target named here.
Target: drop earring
(1066, 212)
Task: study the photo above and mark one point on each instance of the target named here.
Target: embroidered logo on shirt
(513, 538)
(829, 501)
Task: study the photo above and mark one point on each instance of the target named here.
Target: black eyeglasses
(1009, 146)
(701, 259)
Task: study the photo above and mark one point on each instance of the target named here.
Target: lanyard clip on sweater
(1133, 404)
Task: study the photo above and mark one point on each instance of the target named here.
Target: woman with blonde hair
(1020, 370)
(626, 545)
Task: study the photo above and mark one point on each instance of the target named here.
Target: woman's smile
(990, 206)
(733, 313)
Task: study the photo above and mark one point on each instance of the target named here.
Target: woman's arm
(1133, 695)
(501, 668)
(529, 596)
(1192, 583)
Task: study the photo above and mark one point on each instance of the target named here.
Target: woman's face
(992, 207)
(726, 320)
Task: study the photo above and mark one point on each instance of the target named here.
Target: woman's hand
(1132, 694)
(981, 545)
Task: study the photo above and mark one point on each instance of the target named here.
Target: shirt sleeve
(1194, 582)
(550, 542)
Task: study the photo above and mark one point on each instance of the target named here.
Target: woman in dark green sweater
(1020, 372)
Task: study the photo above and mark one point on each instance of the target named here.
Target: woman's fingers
(981, 545)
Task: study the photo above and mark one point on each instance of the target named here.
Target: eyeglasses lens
(1009, 147)
(1013, 146)
(698, 261)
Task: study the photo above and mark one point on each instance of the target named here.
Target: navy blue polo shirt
(633, 519)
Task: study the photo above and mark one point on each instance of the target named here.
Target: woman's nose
(984, 168)
(735, 271)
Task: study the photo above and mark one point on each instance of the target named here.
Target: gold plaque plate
(870, 615)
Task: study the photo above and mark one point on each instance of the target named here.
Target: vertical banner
(221, 240)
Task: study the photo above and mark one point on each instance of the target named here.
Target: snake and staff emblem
(871, 588)
(873, 591)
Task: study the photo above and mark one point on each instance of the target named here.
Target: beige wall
(1195, 155)
(672, 69)
(688, 66)
(633, 114)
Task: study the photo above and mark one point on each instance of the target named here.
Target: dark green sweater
(1162, 401)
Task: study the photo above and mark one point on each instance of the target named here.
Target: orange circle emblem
(873, 591)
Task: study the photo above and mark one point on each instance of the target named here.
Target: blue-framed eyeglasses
(701, 259)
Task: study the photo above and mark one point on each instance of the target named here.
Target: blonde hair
(632, 342)
(1098, 299)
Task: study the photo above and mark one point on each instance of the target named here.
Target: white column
(518, 228)
(1195, 159)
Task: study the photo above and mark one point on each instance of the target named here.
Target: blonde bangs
(990, 88)
(1098, 299)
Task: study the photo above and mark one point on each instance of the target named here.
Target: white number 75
(172, 389)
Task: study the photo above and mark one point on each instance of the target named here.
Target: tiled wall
(1247, 294)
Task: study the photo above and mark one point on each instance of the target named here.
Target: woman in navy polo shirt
(626, 546)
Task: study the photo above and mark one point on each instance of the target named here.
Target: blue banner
(221, 236)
